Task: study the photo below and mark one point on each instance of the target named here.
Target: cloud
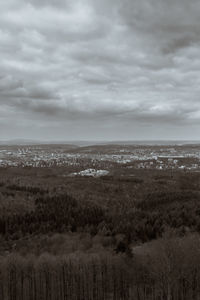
(107, 63)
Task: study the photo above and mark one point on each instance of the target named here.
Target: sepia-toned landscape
(100, 222)
(99, 150)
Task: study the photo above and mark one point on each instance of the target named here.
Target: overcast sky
(99, 69)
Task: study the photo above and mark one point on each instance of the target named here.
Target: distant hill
(134, 142)
(79, 143)
(26, 142)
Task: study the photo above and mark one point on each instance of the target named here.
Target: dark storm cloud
(124, 64)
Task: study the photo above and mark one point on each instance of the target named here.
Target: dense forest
(123, 236)
(140, 208)
(165, 269)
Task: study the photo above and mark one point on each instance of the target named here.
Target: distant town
(98, 159)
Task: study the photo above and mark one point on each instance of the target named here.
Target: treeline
(53, 214)
(76, 277)
(137, 207)
(168, 269)
(144, 221)
(28, 189)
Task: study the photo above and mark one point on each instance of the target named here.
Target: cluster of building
(91, 173)
(92, 160)
(169, 163)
